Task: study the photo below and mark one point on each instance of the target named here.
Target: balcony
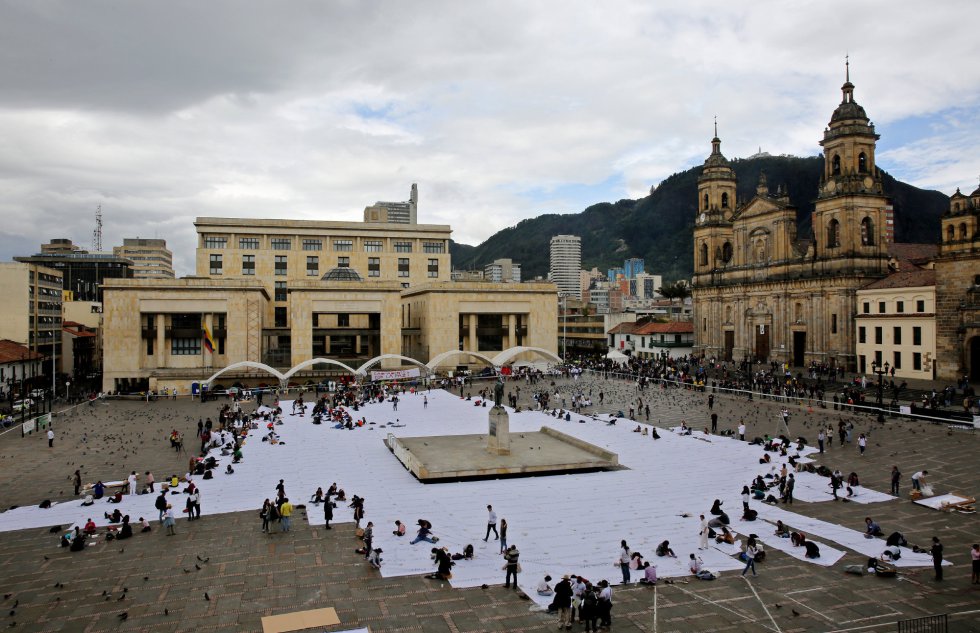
(184, 332)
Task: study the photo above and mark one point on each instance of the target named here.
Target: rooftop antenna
(97, 233)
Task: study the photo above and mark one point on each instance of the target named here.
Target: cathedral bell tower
(716, 204)
(850, 217)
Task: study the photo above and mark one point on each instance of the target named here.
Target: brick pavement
(250, 574)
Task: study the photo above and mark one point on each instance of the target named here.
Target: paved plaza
(155, 579)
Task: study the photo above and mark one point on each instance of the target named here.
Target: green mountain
(659, 227)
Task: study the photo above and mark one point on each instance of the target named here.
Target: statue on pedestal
(498, 391)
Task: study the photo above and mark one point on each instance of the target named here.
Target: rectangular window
(704, 325)
(403, 267)
(866, 308)
(373, 246)
(433, 268)
(916, 361)
(343, 262)
(916, 335)
(185, 346)
(215, 241)
(833, 324)
(216, 264)
(248, 243)
(343, 320)
(920, 306)
(434, 247)
(899, 306)
(312, 266)
(281, 243)
(248, 265)
(312, 245)
(280, 294)
(403, 247)
(881, 307)
(343, 245)
(374, 266)
(897, 335)
(897, 362)
(878, 358)
(862, 335)
(281, 265)
(877, 336)
(281, 320)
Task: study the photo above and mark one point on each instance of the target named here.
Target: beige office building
(32, 306)
(151, 258)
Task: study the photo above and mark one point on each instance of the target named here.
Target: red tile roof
(672, 327)
(625, 328)
(11, 352)
(914, 278)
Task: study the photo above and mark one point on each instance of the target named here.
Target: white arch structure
(505, 356)
(496, 362)
(362, 370)
(315, 361)
(246, 363)
(435, 362)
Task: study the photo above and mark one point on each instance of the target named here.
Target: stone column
(511, 330)
(498, 438)
(472, 342)
(161, 351)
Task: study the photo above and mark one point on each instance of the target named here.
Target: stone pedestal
(498, 439)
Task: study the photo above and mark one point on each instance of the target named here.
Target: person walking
(790, 484)
(150, 481)
(368, 538)
(862, 443)
(132, 482)
(563, 602)
(196, 501)
(513, 565)
(821, 438)
(937, 557)
(264, 514)
(491, 524)
(896, 477)
(703, 534)
(503, 535)
(605, 604)
(975, 555)
(328, 512)
(714, 423)
(50, 437)
(750, 553)
(77, 479)
(624, 561)
(168, 520)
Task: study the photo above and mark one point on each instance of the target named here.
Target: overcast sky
(164, 111)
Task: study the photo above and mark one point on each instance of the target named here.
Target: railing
(926, 624)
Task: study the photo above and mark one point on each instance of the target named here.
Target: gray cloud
(162, 112)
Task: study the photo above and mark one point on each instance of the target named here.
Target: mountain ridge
(610, 234)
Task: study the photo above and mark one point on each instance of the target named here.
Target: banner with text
(397, 374)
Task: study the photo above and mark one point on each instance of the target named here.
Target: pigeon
(7, 596)
(204, 560)
(124, 615)
(166, 612)
(121, 598)
(206, 596)
(778, 606)
(187, 571)
(796, 613)
(197, 567)
(145, 578)
(125, 589)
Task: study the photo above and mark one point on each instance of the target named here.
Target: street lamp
(881, 371)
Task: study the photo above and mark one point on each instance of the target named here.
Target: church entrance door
(799, 349)
(729, 344)
(762, 343)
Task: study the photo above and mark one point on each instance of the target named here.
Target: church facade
(760, 291)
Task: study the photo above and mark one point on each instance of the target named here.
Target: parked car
(20, 405)
(39, 393)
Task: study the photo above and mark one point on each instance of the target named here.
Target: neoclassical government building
(762, 291)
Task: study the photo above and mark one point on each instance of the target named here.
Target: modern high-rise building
(151, 258)
(395, 212)
(566, 262)
(633, 267)
(83, 272)
(502, 271)
(31, 312)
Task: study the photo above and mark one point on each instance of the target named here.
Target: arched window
(836, 165)
(798, 312)
(726, 252)
(963, 231)
(862, 163)
(867, 232)
(704, 254)
(833, 234)
(705, 202)
(950, 233)
(724, 201)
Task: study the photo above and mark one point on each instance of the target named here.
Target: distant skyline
(499, 111)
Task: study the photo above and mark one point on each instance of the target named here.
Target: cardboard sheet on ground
(299, 620)
(561, 524)
(815, 488)
(938, 502)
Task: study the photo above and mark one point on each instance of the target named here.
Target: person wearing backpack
(161, 504)
(590, 609)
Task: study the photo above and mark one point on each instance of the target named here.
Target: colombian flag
(208, 341)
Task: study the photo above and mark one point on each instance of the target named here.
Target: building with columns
(284, 293)
(761, 291)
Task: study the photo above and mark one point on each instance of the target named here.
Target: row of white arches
(497, 361)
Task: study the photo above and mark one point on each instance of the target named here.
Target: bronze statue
(498, 391)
